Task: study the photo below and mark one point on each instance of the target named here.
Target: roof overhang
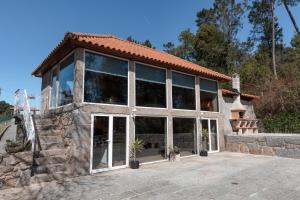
(73, 40)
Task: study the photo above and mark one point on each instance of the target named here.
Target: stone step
(50, 160)
(50, 132)
(43, 121)
(50, 169)
(52, 145)
(50, 139)
(39, 178)
(46, 127)
(52, 152)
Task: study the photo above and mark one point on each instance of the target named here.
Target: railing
(22, 109)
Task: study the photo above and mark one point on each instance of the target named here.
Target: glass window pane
(214, 135)
(209, 101)
(119, 141)
(150, 74)
(106, 64)
(100, 143)
(152, 130)
(205, 135)
(184, 135)
(150, 94)
(104, 88)
(183, 98)
(182, 80)
(208, 85)
(66, 77)
(53, 89)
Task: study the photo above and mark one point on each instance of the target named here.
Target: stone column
(169, 139)
(197, 89)
(78, 76)
(131, 100)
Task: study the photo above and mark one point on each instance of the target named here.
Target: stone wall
(283, 145)
(15, 169)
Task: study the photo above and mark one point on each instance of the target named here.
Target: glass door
(210, 136)
(109, 142)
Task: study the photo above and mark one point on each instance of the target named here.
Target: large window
(152, 130)
(66, 81)
(53, 88)
(183, 91)
(209, 95)
(105, 80)
(150, 86)
(62, 82)
(184, 135)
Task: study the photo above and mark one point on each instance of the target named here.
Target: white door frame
(110, 145)
(209, 133)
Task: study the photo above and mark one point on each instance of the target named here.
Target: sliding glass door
(210, 135)
(109, 142)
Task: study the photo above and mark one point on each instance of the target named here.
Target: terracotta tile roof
(129, 50)
(231, 93)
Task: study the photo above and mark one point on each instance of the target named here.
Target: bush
(283, 122)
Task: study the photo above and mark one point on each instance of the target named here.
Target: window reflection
(66, 81)
(105, 80)
(150, 86)
(152, 130)
(184, 135)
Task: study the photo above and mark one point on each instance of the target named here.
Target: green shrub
(283, 122)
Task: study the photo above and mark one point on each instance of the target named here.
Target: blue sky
(30, 29)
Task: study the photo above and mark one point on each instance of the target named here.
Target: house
(103, 92)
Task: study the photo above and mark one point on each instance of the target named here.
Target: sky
(30, 29)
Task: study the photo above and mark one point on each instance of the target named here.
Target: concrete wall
(80, 130)
(226, 110)
(283, 145)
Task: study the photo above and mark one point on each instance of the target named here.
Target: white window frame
(166, 87)
(110, 145)
(209, 133)
(83, 78)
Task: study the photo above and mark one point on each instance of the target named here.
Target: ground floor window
(184, 135)
(210, 135)
(153, 132)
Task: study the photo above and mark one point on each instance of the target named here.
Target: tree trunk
(273, 42)
(291, 16)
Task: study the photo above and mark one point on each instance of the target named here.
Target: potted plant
(136, 146)
(205, 136)
(174, 154)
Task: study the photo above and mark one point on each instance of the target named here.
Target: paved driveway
(219, 176)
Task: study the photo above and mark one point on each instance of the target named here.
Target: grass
(2, 127)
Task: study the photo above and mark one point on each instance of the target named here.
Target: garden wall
(15, 169)
(283, 145)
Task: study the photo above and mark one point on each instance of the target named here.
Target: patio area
(219, 176)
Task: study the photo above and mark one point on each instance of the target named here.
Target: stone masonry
(282, 145)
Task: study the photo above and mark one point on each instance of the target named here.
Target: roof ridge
(81, 34)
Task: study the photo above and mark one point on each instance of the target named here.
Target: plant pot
(177, 157)
(203, 153)
(134, 164)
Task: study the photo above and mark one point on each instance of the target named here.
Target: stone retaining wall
(283, 145)
(15, 169)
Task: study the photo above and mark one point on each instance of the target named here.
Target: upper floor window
(209, 95)
(183, 91)
(150, 86)
(66, 81)
(62, 81)
(106, 79)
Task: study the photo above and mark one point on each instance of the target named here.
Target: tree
(286, 4)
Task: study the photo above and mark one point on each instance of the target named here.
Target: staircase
(50, 154)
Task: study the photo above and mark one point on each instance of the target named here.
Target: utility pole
(273, 42)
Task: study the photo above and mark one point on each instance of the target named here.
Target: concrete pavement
(219, 176)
